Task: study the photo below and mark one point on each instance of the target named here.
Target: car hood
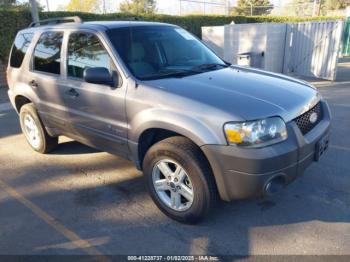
(244, 92)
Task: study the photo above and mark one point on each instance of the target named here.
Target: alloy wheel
(172, 185)
(31, 131)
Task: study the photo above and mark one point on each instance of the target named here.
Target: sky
(163, 6)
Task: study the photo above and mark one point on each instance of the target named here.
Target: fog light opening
(274, 185)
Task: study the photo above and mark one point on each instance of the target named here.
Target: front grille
(303, 121)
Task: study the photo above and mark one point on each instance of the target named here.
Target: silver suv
(199, 128)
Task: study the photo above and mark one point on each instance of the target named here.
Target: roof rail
(58, 20)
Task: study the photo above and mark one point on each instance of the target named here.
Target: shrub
(13, 21)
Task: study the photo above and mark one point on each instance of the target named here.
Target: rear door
(96, 112)
(45, 79)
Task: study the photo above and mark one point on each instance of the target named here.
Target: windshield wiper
(173, 73)
(183, 72)
(208, 66)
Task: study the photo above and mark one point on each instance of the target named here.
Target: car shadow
(73, 148)
(8, 127)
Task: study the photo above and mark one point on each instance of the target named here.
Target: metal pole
(47, 6)
(227, 6)
(180, 7)
(251, 9)
(314, 8)
(104, 6)
(34, 10)
(319, 8)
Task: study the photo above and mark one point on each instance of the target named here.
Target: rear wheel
(179, 179)
(34, 130)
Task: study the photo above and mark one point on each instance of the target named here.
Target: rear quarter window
(19, 49)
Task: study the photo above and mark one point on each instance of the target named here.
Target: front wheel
(34, 130)
(179, 179)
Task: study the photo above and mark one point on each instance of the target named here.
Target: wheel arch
(181, 123)
(21, 100)
(152, 135)
(22, 95)
(149, 127)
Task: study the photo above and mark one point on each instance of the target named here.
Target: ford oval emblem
(313, 118)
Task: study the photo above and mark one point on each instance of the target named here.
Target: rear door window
(47, 53)
(84, 51)
(20, 48)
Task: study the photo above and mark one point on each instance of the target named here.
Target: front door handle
(33, 83)
(72, 92)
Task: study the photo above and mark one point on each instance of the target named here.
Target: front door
(97, 112)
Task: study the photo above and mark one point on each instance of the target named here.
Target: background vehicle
(199, 128)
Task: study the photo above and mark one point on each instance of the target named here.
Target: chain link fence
(172, 7)
(289, 9)
(305, 10)
(213, 7)
(227, 7)
(207, 7)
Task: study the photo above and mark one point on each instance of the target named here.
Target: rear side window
(85, 50)
(20, 48)
(47, 53)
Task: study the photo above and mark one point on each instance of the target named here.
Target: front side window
(20, 48)
(84, 51)
(152, 52)
(47, 53)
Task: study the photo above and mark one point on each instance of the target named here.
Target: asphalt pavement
(77, 200)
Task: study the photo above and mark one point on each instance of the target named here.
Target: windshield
(152, 52)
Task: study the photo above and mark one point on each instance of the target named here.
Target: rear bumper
(244, 172)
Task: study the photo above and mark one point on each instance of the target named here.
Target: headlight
(256, 133)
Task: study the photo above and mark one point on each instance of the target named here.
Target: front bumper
(244, 172)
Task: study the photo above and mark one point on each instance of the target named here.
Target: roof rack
(58, 20)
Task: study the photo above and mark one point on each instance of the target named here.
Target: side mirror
(101, 76)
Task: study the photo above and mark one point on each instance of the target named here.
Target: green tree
(16, 5)
(254, 7)
(336, 4)
(301, 8)
(138, 7)
(7, 3)
(308, 7)
(90, 6)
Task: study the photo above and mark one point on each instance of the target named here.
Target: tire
(180, 152)
(38, 139)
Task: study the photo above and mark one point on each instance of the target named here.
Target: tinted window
(156, 51)
(84, 51)
(20, 48)
(47, 53)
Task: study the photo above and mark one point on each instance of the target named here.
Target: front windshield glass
(152, 52)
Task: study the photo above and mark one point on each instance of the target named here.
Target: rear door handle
(33, 83)
(72, 92)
